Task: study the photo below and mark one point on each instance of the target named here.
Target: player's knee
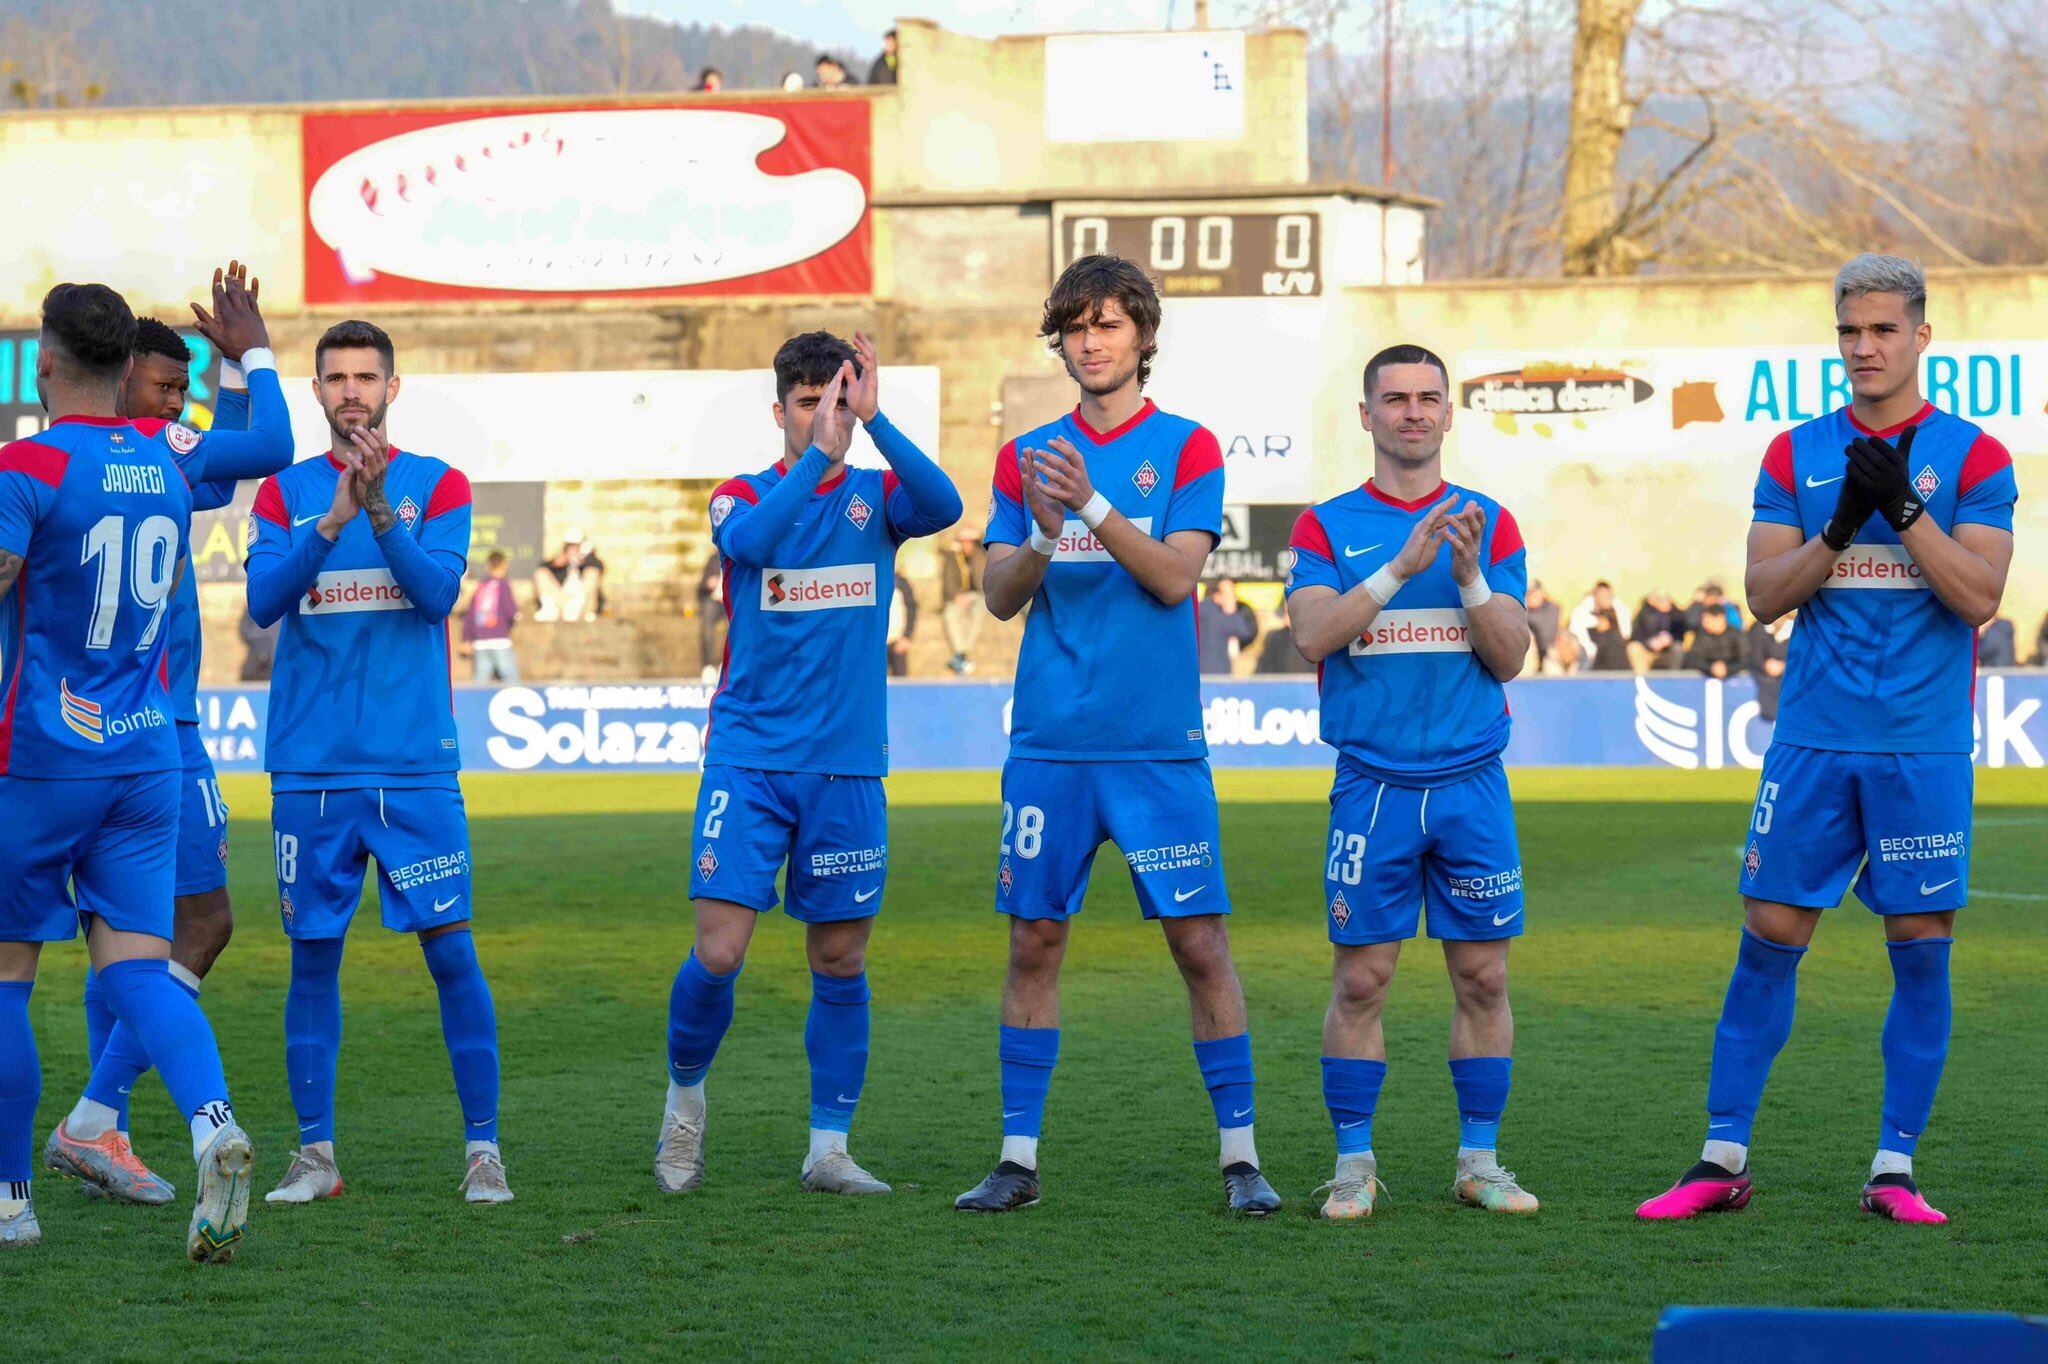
(1481, 985)
(1201, 947)
(205, 925)
(1036, 944)
(1359, 989)
(720, 956)
(842, 960)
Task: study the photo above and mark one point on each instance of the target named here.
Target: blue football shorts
(202, 819)
(1394, 849)
(1161, 816)
(323, 840)
(832, 831)
(108, 839)
(1902, 818)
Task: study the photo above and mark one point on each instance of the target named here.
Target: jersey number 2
(152, 569)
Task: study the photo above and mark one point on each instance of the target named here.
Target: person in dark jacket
(1278, 656)
(1768, 645)
(1658, 640)
(883, 72)
(1225, 626)
(1998, 645)
(1716, 650)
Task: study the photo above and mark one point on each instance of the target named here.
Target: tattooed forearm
(378, 507)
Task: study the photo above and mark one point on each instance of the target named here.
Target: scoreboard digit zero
(1206, 252)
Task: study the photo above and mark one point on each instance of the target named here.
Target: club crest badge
(181, 437)
(707, 863)
(284, 904)
(1005, 878)
(1925, 482)
(1340, 910)
(1147, 478)
(858, 512)
(1752, 859)
(408, 511)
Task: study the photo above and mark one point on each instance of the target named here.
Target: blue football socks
(1481, 1083)
(1351, 1091)
(1226, 1065)
(21, 1086)
(312, 1034)
(119, 1063)
(1027, 1056)
(166, 1019)
(699, 1012)
(1756, 1018)
(469, 1025)
(99, 1027)
(836, 1041)
(1915, 1040)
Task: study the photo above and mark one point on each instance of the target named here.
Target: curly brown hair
(1089, 282)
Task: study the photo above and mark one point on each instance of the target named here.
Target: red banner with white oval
(580, 201)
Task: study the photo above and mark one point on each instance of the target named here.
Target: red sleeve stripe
(890, 483)
(736, 487)
(1507, 536)
(1009, 482)
(43, 463)
(1200, 456)
(1986, 458)
(451, 493)
(270, 504)
(1778, 460)
(1310, 535)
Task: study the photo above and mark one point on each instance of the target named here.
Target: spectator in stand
(792, 81)
(1545, 620)
(1998, 645)
(1223, 627)
(487, 624)
(832, 74)
(1599, 621)
(1657, 639)
(711, 621)
(1710, 596)
(1278, 656)
(1716, 650)
(1768, 645)
(1564, 658)
(961, 565)
(260, 645)
(570, 586)
(883, 72)
(710, 80)
(902, 622)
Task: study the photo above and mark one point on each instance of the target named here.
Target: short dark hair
(707, 73)
(154, 338)
(826, 59)
(1405, 354)
(1089, 282)
(91, 324)
(355, 334)
(810, 358)
(1603, 583)
(497, 557)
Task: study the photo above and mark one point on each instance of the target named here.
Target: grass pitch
(581, 879)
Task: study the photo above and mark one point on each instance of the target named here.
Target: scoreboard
(1208, 255)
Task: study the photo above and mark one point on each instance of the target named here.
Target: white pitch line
(2010, 820)
(2005, 895)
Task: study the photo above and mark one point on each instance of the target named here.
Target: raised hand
(864, 394)
(345, 505)
(235, 326)
(1885, 472)
(1424, 540)
(1065, 473)
(1463, 529)
(371, 460)
(830, 429)
(1038, 500)
(1853, 506)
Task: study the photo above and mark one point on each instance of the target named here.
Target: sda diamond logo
(707, 863)
(1005, 878)
(858, 512)
(1925, 482)
(408, 511)
(1147, 478)
(1340, 910)
(1752, 859)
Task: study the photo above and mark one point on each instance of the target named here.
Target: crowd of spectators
(827, 72)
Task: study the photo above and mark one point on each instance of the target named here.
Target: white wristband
(255, 358)
(1095, 511)
(1475, 593)
(1383, 584)
(231, 375)
(1041, 542)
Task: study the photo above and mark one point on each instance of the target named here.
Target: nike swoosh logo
(302, 520)
(1347, 1126)
(1013, 1113)
(1926, 889)
(1717, 1126)
(443, 906)
(1812, 482)
(861, 898)
(848, 1102)
(1498, 920)
(1240, 1112)
(1183, 896)
(1351, 553)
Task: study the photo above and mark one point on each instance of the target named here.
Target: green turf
(1631, 931)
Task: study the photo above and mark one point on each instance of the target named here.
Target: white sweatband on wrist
(231, 374)
(1383, 584)
(1042, 543)
(1095, 511)
(257, 357)
(1476, 593)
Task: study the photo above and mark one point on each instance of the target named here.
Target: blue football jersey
(101, 514)
(802, 685)
(1877, 664)
(360, 691)
(1107, 671)
(1408, 702)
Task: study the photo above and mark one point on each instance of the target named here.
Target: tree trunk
(1600, 117)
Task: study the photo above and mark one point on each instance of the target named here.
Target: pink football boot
(1706, 1187)
(1898, 1197)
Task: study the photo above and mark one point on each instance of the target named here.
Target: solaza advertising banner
(768, 197)
(1683, 722)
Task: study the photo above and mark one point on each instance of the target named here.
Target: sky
(859, 24)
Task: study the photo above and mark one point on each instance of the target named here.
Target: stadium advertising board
(767, 197)
(1170, 87)
(1235, 365)
(622, 424)
(1683, 722)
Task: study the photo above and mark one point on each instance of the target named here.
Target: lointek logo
(818, 589)
(1080, 545)
(353, 589)
(1426, 630)
(1876, 566)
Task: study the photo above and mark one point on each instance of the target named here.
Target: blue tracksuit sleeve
(225, 453)
(751, 539)
(279, 576)
(430, 579)
(924, 500)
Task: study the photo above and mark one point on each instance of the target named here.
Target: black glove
(1853, 507)
(1884, 472)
